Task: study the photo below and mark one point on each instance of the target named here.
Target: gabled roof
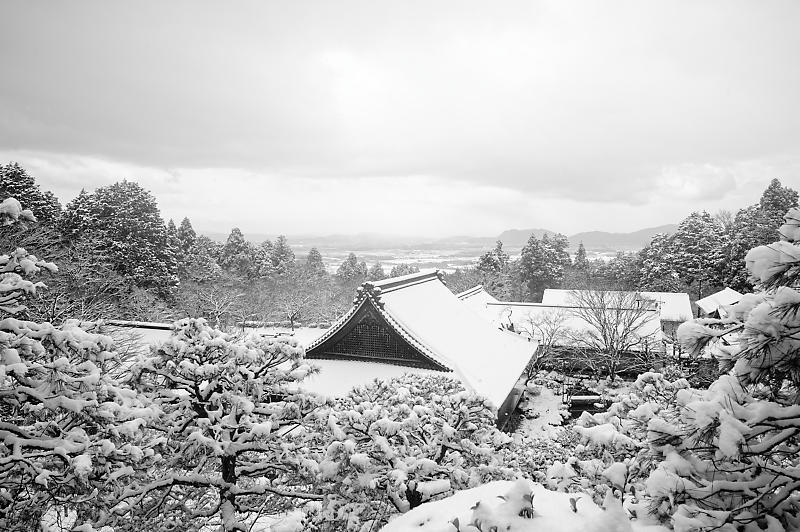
(476, 298)
(423, 311)
(674, 306)
(726, 296)
(521, 314)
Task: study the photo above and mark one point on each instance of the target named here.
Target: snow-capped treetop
(11, 211)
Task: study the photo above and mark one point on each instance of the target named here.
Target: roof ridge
(469, 292)
(546, 305)
(396, 283)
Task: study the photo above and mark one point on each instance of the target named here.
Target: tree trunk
(230, 523)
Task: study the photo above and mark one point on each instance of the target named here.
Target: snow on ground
(507, 505)
(337, 377)
(304, 335)
(543, 415)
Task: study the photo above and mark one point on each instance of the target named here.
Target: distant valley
(450, 252)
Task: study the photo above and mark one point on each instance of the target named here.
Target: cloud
(695, 182)
(217, 199)
(408, 117)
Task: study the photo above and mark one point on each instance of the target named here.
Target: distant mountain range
(605, 241)
(592, 240)
(598, 241)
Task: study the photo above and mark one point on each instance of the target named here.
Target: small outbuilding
(714, 305)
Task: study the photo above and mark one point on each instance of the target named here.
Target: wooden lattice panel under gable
(368, 337)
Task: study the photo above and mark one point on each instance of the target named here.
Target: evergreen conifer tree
(16, 183)
(314, 263)
(282, 256)
(376, 272)
(238, 255)
(581, 263)
(125, 221)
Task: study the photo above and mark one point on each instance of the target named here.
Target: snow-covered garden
(211, 431)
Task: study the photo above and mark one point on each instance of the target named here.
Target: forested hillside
(212, 430)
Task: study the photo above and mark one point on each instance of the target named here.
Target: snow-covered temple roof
(476, 298)
(711, 303)
(433, 329)
(673, 306)
(524, 315)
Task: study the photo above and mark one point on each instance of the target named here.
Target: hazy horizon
(252, 234)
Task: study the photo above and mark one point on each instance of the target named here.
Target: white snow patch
(501, 504)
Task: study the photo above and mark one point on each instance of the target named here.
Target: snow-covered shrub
(393, 445)
(233, 425)
(520, 506)
(64, 448)
(611, 451)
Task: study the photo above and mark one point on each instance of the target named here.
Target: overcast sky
(405, 117)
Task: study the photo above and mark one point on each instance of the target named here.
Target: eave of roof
(470, 292)
(369, 294)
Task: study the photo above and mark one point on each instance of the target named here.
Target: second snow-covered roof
(562, 322)
(673, 306)
(476, 298)
(726, 296)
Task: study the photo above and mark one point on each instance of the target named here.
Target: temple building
(415, 324)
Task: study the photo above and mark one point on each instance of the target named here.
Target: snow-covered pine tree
(314, 264)
(494, 261)
(239, 255)
(186, 235)
(753, 226)
(375, 272)
(66, 425)
(732, 459)
(16, 183)
(581, 263)
(392, 445)
(694, 245)
(124, 218)
(282, 256)
(403, 269)
(351, 271)
(657, 272)
(233, 422)
(542, 263)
